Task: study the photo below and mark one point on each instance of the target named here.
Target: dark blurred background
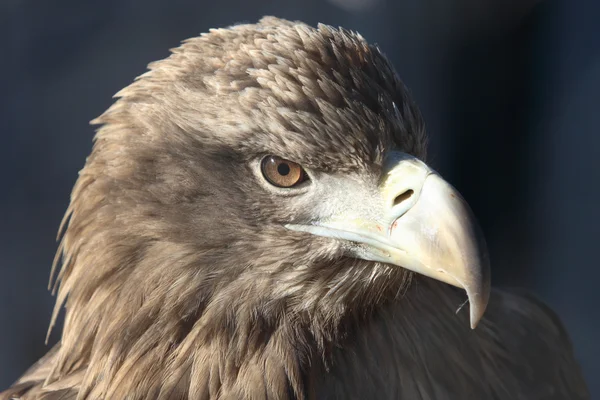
(510, 90)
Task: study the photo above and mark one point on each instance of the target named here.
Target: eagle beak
(421, 223)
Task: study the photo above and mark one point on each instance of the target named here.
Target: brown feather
(180, 282)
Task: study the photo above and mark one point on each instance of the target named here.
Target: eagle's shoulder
(522, 333)
(31, 385)
(519, 307)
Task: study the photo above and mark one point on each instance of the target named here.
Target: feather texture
(180, 281)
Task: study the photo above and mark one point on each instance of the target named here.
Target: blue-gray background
(510, 90)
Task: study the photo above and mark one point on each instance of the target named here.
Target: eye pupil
(283, 169)
(282, 173)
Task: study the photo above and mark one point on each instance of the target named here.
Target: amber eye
(282, 173)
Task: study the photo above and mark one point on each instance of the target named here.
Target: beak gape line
(427, 228)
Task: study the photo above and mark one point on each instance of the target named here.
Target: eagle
(257, 220)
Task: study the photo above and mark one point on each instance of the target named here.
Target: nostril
(403, 197)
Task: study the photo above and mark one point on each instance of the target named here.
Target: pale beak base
(423, 225)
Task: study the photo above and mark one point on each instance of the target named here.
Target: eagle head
(262, 178)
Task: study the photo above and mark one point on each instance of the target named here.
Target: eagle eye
(282, 173)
